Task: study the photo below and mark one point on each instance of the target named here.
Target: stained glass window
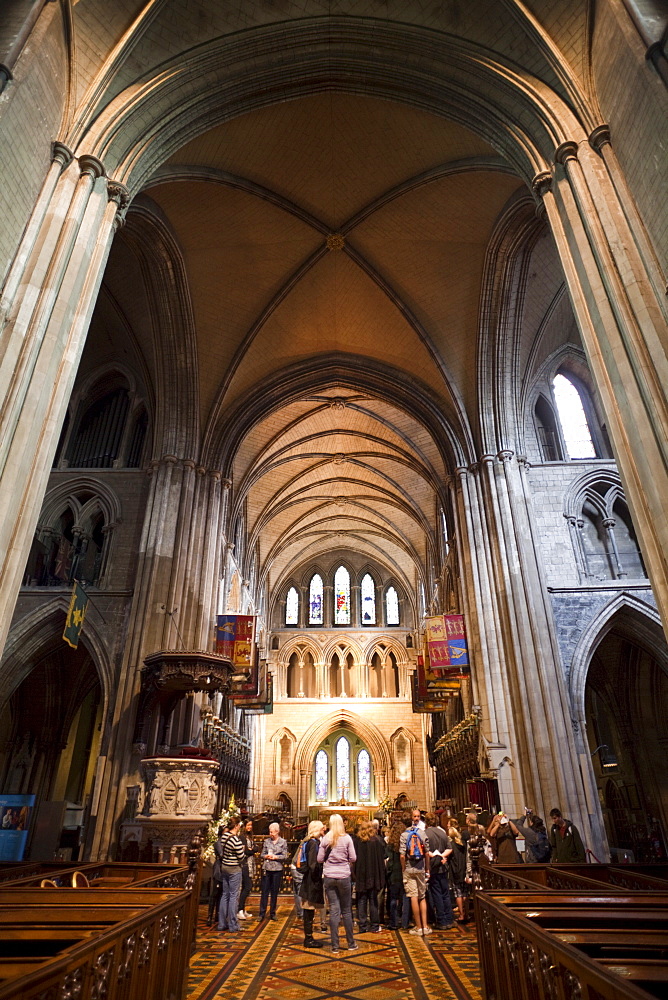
(342, 768)
(315, 601)
(572, 418)
(321, 776)
(368, 600)
(292, 607)
(342, 596)
(392, 607)
(364, 776)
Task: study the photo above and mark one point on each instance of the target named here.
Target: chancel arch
(315, 737)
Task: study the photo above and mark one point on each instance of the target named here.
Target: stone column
(355, 610)
(516, 671)
(618, 296)
(44, 315)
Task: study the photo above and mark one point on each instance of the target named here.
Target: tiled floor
(268, 962)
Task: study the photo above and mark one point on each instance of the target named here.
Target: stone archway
(52, 717)
(626, 703)
(320, 730)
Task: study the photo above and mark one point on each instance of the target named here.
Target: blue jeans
(439, 895)
(229, 901)
(339, 896)
(368, 898)
(271, 883)
(297, 879)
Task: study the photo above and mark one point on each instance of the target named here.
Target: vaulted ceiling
(346, 236)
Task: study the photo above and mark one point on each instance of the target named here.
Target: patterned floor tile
(268, 961)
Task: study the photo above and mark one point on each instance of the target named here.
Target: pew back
(93, 943)
(550, 946)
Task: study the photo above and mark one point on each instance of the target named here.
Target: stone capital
(90, 166)
(566, 151)
(505, 455)
(542, 183)
(62, 154)
(120, 195)
(599, 136)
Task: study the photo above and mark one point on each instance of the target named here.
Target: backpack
(414, 845)
(299, 860)
(542, 850)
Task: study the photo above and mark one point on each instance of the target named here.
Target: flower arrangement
(386, 804)
(208, 853)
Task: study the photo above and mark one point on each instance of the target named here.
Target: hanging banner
(446, 647)
(234, 640)
(437, 642)
(247, 683)
(438, 692)
(455, 628)
(433, 702)
(262, 702)
(75, 615)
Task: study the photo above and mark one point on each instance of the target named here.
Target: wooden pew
(567, 877)
(121, 945)
(539, 945)
(117, 875)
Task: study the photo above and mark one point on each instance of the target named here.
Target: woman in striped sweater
(230, 854)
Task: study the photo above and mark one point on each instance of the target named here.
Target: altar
(351, 813)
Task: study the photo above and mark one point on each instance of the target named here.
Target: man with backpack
(538, 848)
(414, 856)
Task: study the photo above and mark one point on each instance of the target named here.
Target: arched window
(391, 607)
(71, 542)
(546, 429)
(368, 600)
(342, 767)
(315, 600)
(342, 596)
(573, 420)
(603, 537)
(364, 776)
(322, 776)
(292, 607)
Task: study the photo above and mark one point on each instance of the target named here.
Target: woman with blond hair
(311, 889)
(336, 854)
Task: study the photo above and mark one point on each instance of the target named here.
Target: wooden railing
(91, 944)
(556, 946)
(120, 875)
(567, 877)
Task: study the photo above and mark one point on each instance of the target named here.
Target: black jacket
(311, 888)
(370, 864)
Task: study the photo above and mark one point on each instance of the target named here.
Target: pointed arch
(283, 743)
(36, 630)
(646, 623)
(368, 733)
(300, 644)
